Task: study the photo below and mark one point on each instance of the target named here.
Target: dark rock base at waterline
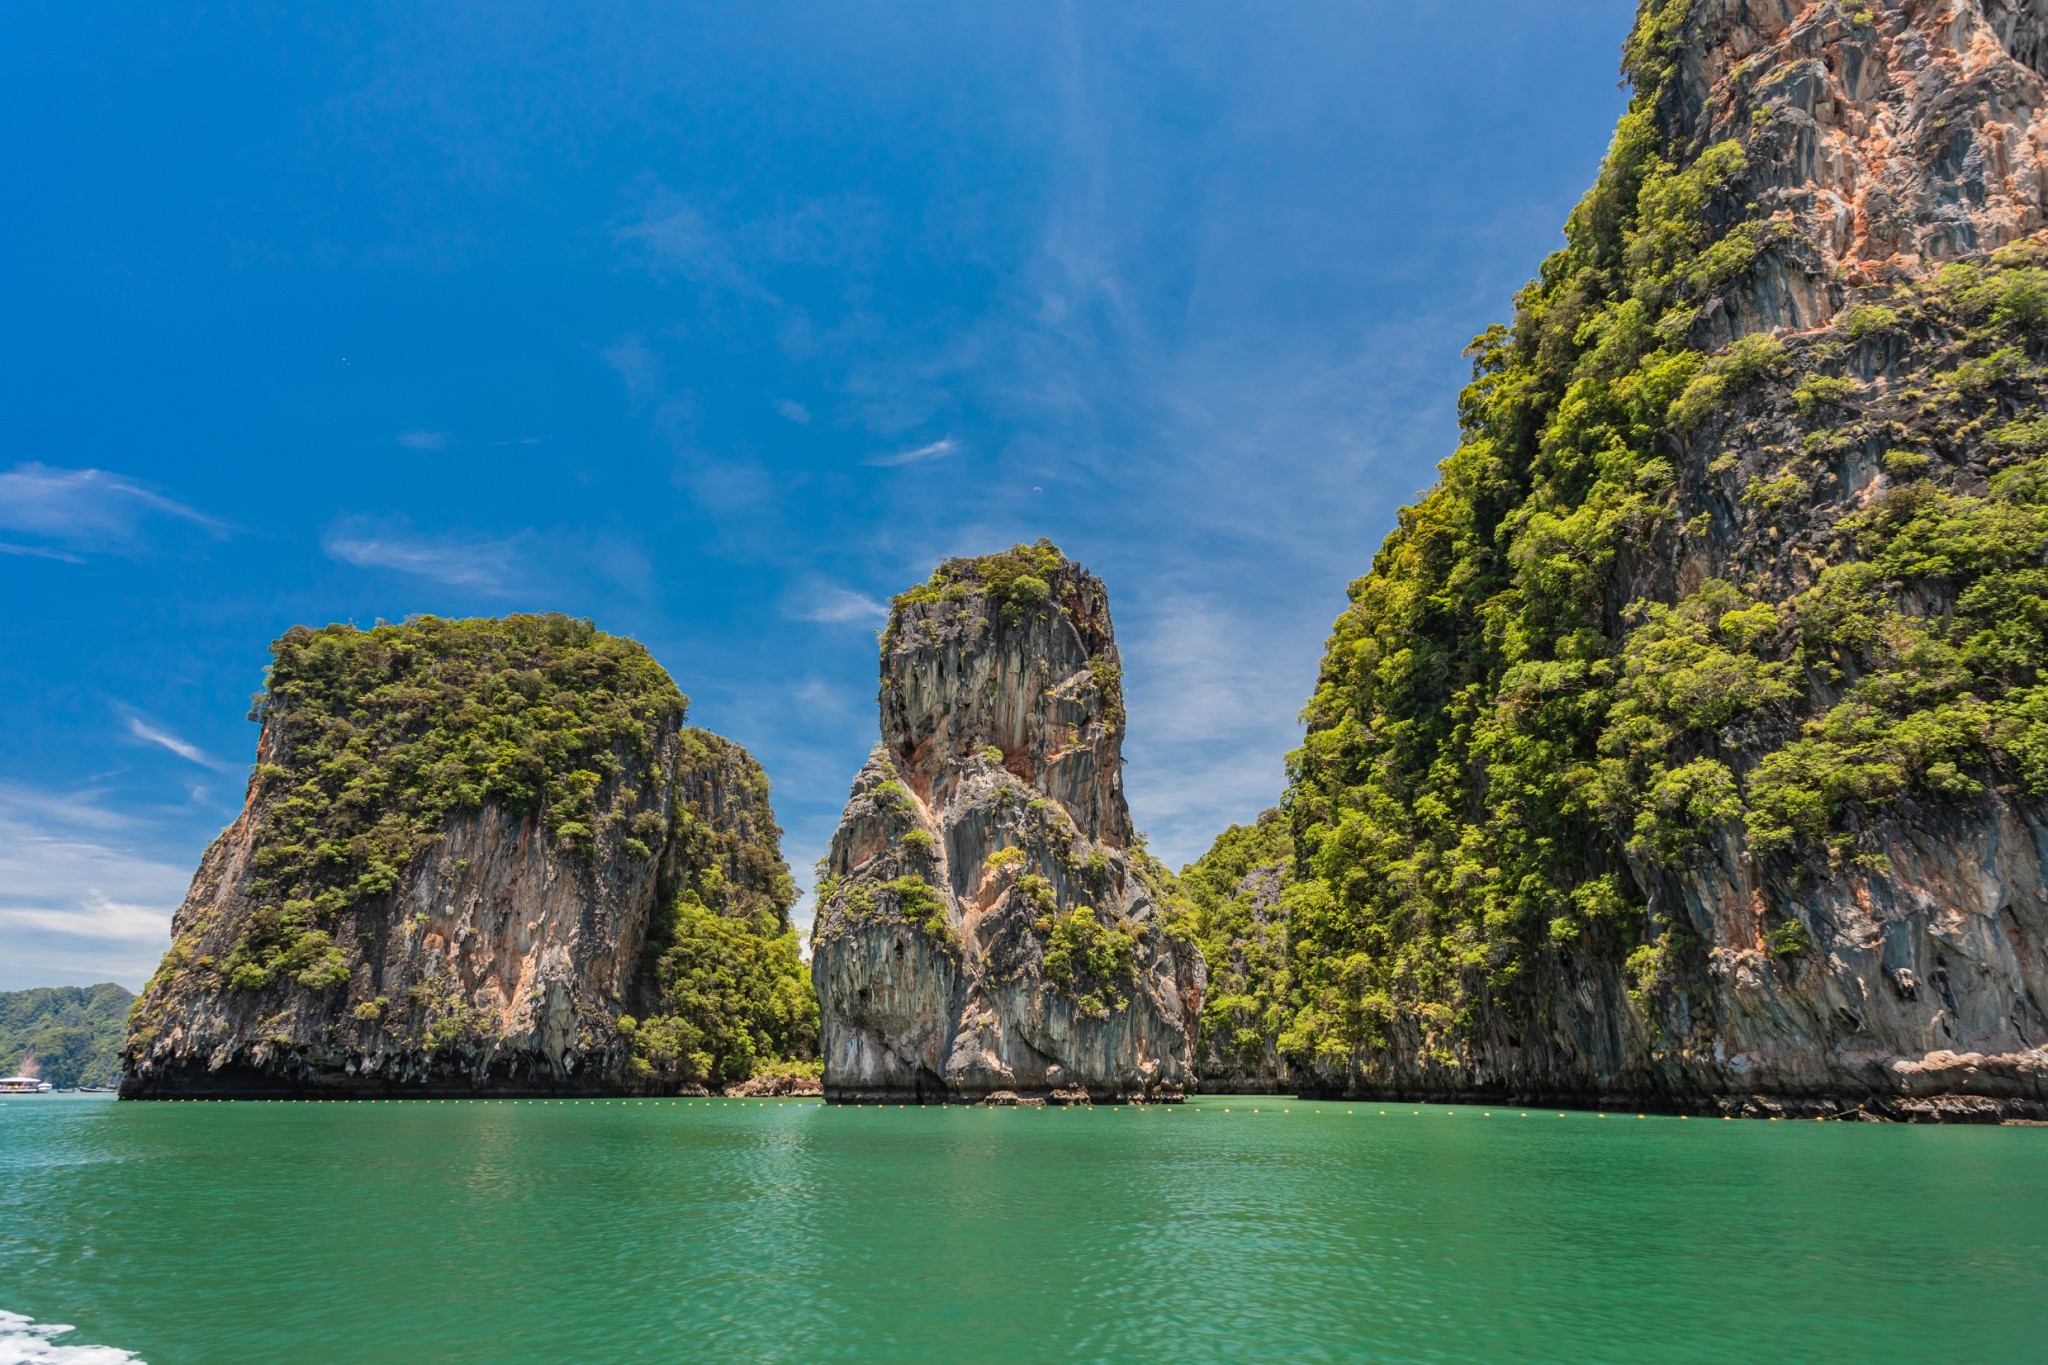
(250, 1083)
(1844, 1108)
(1243, 1085)
(1075, 1095)
(255, 1083)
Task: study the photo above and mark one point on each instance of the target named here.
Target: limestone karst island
(1678, 755)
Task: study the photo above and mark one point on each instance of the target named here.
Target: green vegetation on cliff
(732, 997)
(735, 1000)
(72, 1032)
(1016, 582)
(1442, 799)
(1505, 751)
(1020, 576)
(1928, 639)
(378, 736)
(650, 833)
(1229, 902)
(909, 898)
(1091, 962)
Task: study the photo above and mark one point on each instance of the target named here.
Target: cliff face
(456, 843)
(1685, 745)
(986, 924)
(1893, 136)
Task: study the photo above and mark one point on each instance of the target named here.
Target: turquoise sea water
(1228, 1229)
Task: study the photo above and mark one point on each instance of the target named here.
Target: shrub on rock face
(1090, 961)
(1016, 577)
(920, 903)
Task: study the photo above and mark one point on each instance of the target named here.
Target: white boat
(23, 1085)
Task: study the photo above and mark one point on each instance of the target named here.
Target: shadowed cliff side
(1684, 745)
(472, 853)
(986, 924)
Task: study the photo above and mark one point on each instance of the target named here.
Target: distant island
(68, 1035)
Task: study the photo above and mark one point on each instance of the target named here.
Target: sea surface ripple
(1232, 1228)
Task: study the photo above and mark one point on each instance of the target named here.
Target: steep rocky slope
(478, 857)
(1688, 744)
(986, 924)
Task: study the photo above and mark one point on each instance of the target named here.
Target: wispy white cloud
(794, 411)
(834, 605)
(613, 557)
(530, 564)
(91, 915)
(740, 491)
(1213, 689)
(150, 733)
(486, 565)
(427, 441)
(80, 898)
(937, 450)
(818, 695)
(1210, 364)
(635, 362)
(40, 552)
(84, 509)
(672, 237)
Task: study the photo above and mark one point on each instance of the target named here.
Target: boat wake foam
(26, 1342)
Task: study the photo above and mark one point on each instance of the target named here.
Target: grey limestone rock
(501, 961)
(987, 927)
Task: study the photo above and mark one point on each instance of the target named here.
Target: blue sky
(719, 324)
